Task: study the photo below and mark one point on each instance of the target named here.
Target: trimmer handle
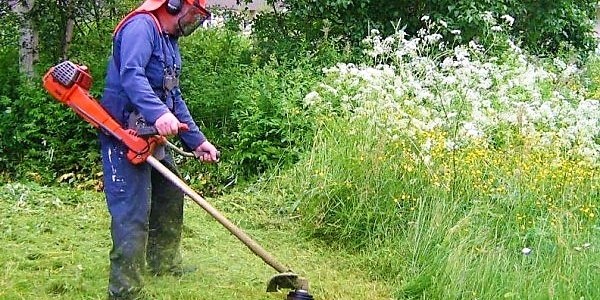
(148, 131)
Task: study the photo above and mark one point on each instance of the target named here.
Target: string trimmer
(70, 83)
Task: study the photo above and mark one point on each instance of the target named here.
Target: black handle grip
(148, 131)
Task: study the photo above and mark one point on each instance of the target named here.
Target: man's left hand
(206, 152)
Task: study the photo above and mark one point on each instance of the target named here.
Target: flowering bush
(422, 84)
(458, 172)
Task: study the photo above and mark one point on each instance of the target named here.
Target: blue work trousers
(147, 218)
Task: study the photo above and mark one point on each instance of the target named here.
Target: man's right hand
(167, 124)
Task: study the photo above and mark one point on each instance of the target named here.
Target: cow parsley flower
(508, 19)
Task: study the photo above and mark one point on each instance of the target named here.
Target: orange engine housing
(69, 83)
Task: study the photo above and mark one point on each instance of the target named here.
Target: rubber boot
(163, 253)
(127, 189)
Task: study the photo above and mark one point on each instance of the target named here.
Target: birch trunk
(28, 40)
(597, 27)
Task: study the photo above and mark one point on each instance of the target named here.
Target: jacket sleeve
(138, 38)
(193, 137)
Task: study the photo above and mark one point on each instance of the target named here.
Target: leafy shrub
(543, 27)
(253, 113)
(39, 138)
(44, 139)
(591, 78)
(94, 21)
(9, 53)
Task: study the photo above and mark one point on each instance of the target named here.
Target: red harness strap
(134, 13)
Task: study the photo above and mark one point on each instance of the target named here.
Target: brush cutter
(69, 83)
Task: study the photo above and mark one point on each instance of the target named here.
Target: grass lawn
(55, 244)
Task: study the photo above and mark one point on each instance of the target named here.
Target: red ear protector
(191, 20)
(174, 6)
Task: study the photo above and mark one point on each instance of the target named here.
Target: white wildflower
(569, 70)
(450, 145)
(447, 63)
(415, 93)
(449, 80)
(508, 19)
(311, 98)
(328, 88)
(455, 31)
(475, 46)
(432, 38)
(559, 63)
(514, 47)
(426, 147)
(427, 160)
(471, 130)
(488, 17)
(412, 45)
(461, 53)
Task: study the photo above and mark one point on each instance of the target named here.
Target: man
(142, 88)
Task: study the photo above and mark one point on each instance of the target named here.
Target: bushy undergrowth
(250, 109)
(458, 172)
(543, 27)
(9, 54)
(42, 140)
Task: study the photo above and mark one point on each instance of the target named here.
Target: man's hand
(167, 124)
(206, 152)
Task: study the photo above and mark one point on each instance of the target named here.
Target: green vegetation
(454, 228)
(464, 176)
(251, 110)
(56, 243)
(431, 157)
(542, 26)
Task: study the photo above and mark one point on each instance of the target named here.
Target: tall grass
(462, 176)
(454, 228)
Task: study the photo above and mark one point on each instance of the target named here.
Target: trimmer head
(287, 280)
(299, 295)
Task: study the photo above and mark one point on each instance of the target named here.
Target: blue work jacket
(134, 80)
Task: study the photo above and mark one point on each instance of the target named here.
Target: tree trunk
(69, 26)
(28, 40)
(597, 27)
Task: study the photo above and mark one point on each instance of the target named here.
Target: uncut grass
(56, 243)
(453, 228)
